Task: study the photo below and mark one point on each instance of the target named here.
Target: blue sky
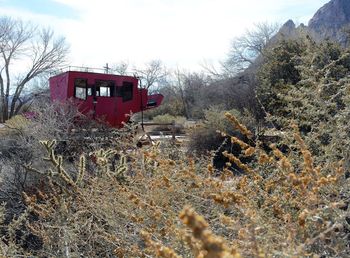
(182, 33)
(44, 7)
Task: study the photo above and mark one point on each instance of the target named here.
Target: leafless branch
(246, 48)
(153, 73)
(37, 47)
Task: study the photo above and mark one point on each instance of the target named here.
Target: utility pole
(106, 68)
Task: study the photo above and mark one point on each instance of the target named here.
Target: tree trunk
(7, 93)
(2, 99)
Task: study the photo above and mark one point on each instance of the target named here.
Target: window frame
(123, 90)
(111, 89)
(84, 88)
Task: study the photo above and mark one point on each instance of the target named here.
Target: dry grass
(150, 202)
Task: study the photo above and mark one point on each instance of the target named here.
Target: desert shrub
(9, 248)
(19, 146)
(108, 198)
(21, 136)
(168, 119)
(208, 137)
(147, 204)
(171, 105)
(318, 101)
(205, 137)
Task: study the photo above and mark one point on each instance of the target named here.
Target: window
(89, 91)
(105, 88)
(105, 92)
(80, 89)
(80, 93)
(126, 91)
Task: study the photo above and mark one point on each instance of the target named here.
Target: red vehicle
(104, 97)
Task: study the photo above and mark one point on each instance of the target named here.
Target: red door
(104, 101)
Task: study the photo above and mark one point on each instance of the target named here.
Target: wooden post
(173, 129)
(106, 68)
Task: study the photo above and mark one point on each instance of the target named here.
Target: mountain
(331, 21)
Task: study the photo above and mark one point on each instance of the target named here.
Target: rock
(336, 13)
(288, 28)
(331, 21)
(288, 31)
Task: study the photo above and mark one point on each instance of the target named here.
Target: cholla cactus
(57, 162)
(81, 169)
(103, 160)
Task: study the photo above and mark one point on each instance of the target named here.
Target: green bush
(206, 136)
(168, 119)
(318, 101)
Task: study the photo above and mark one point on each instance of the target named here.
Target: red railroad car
(104, 97)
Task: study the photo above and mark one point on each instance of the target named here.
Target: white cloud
(180, 32)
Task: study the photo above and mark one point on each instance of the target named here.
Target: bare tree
(246, 48)
(179, 88)
(121, 68)
(153, 73)
(191, 90)
(26, 45)
(213, 70)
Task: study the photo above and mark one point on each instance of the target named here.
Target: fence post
(173, 129)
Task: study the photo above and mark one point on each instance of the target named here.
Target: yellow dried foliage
(148, 204)
(14, 125)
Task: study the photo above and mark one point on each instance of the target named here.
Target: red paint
(105, 97)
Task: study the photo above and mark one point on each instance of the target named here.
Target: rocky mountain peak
(336, 13)
(289, 25)
(287, 28)
(331, 20)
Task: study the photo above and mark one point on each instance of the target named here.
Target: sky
(182, 33)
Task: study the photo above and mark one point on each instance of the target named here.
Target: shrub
(318, 101)
(19, 146)
(99, 197)
(168, 119)
(170, 105)
(208, 136)
(148, 204)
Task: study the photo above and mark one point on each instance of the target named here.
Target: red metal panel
(105, 107)
(58, 87)
(154, 100)
(113, 110)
